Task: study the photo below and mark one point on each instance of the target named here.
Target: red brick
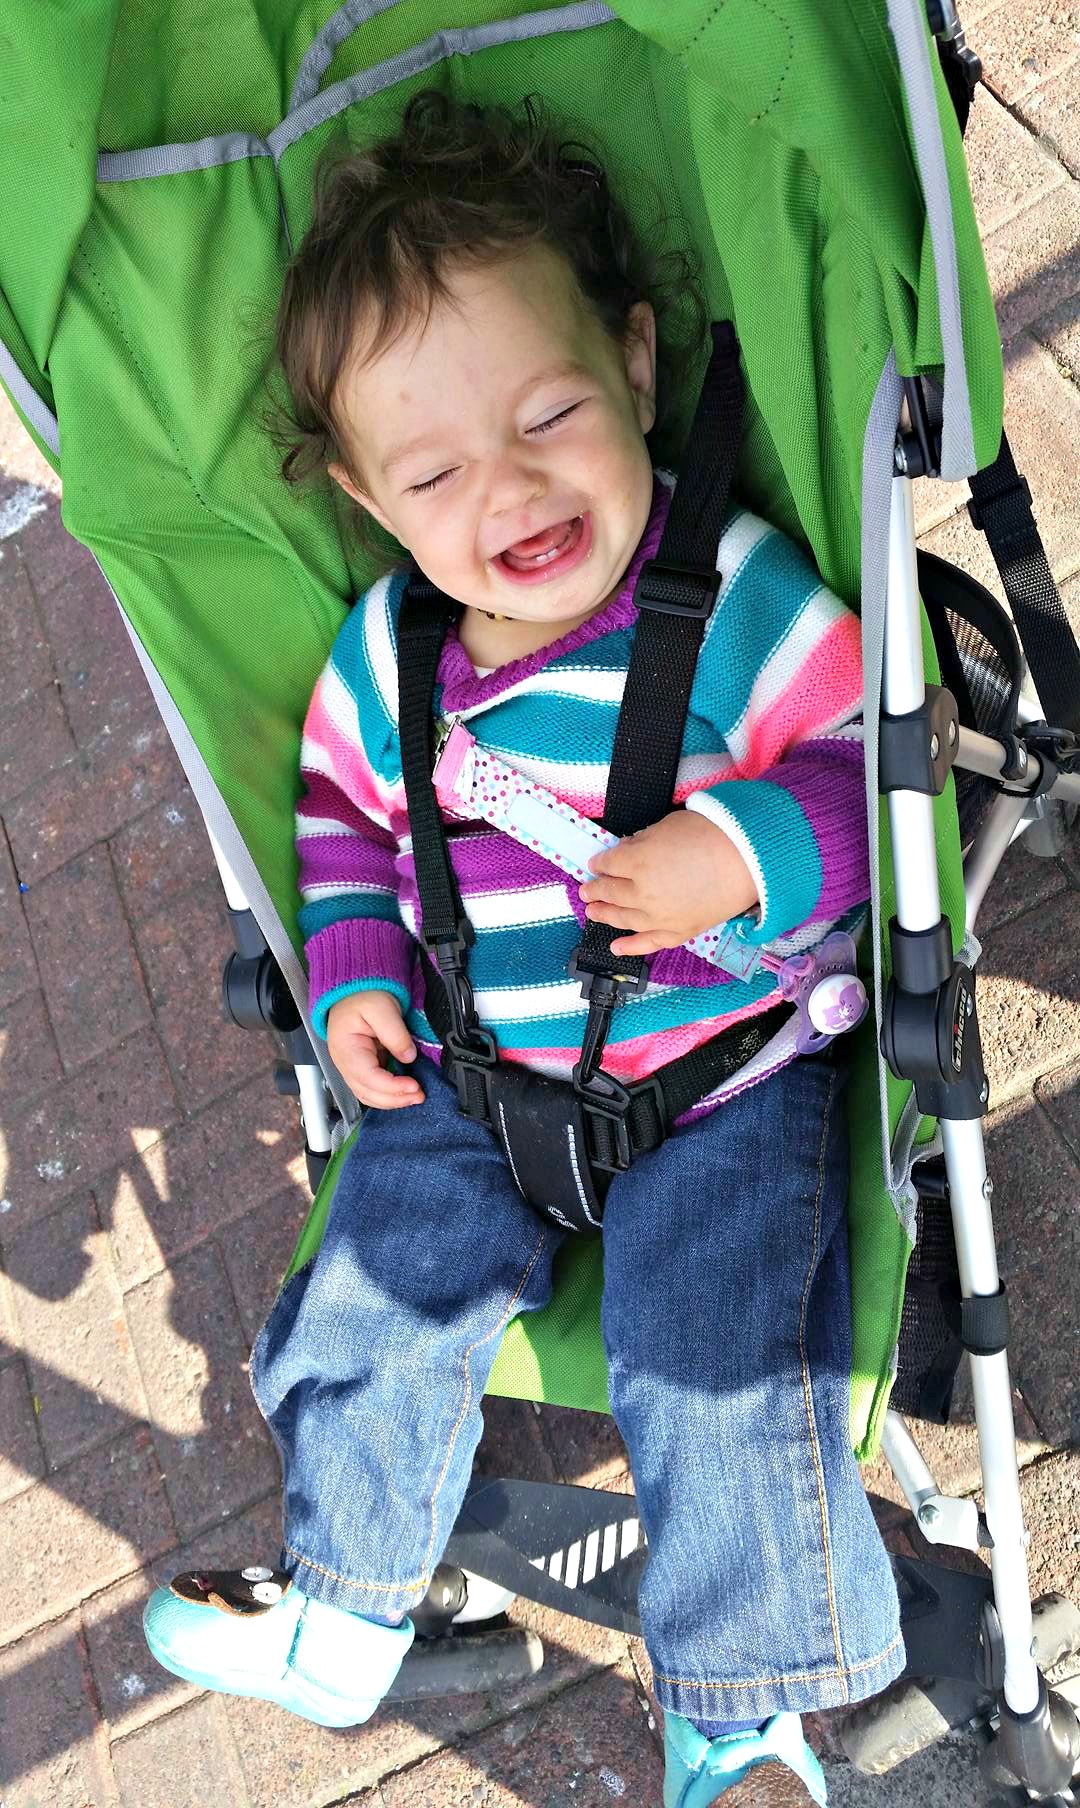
(1053, 112)
(183, 951)
(21, 1461)
(215, 1451)
(74, 1334)
(590, 1746)
(1037, 1217)
(257, 1251)
(34, 740)
(106, 786)
(1022, 880)
(52, 556)
(19, 457)
(111, 1112)
(203, 1174)
(1059, 331)
(1029, 997)
(81, 1529)
(1008, 169)
(1033, 260)
(25, 657)
(159, 857)
(184, 1760)
(110, 697)
(131, 1687)
(18, 969)
(28, 1058)
(1024, 42)
(86, 958)
(1051, 1495)
(952, 1451)
(52, 1748)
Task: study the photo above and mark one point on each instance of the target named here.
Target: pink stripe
(353, 772)
(826, 688)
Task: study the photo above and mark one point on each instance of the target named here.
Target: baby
(469, 334)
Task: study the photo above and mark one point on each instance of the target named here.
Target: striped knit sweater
(772, 753)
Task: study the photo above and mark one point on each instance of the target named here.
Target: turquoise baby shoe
(252, 1632)
(699, 1771)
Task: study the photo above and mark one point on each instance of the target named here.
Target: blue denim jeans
(726, 1320)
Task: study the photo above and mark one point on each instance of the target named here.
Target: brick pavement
(150, 1184)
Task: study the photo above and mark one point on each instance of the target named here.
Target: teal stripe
(767, 596)
(321, 1010)
(574, 730)
(323, 911)
(786, 848)
(377, 726)
(643, 1016)
(541, 950)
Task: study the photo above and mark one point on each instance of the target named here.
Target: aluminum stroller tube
(918, 907)
(976, 1255)
(903, 688)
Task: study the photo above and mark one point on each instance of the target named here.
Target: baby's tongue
(527, 553)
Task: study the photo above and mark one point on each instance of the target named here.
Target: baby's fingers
(382, 1014)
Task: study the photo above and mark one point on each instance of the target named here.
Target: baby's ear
(341, 477)
(639, 349)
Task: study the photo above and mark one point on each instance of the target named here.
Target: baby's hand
(669, 883)
(360, 1030)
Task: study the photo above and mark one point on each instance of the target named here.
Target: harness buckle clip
(677, 589)
(606, 1102)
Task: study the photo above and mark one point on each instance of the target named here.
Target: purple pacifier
(826, 990)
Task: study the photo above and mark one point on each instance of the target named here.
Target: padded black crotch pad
(249, 1591)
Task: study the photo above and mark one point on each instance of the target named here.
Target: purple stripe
(342, 860)
(826, 780)
(462, 689)
(358, 948)
(324, 797)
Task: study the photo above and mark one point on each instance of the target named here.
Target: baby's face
(503, 442)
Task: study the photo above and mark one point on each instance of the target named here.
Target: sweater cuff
(357, 954)
(778, 844)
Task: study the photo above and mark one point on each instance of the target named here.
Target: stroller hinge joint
(919, 748)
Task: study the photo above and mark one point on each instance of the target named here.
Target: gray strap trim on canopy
(907, 21)
(27, 400)
(320, 52)
(220, 822)
(179, 159)
(877, 476)
(443, 44)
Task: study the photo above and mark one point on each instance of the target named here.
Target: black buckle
(1018, 486)
(677, 589)
(602, 1097)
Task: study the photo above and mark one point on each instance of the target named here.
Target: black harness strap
(675, 594)
(1001, 507)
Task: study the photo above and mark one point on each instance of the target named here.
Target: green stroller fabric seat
(157, 168)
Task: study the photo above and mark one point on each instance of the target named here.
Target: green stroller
(816, 156)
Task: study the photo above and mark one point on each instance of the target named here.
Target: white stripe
(601, 687)
(783, 664)
(509, 1150)
(590, 1559)
(313, 894)
(577, 1178)
(589, 779)
(573, 1564)
(736, 545)
(307, 826)
(631, 1537)
(340, 705)
(610, 1553)
(521, 1004)
(512, 909)
(315, 757)
(555, 1566)
(379, 647)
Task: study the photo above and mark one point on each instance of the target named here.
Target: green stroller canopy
(157, 164)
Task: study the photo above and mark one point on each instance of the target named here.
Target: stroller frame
(983, 1641)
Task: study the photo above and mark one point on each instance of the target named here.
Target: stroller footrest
(468, 1663)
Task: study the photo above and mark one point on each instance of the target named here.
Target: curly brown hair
(459, 183)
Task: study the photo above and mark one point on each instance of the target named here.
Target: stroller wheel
(464, 1644)
(905, 1719)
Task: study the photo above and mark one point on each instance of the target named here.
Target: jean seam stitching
(811, 1420)
(754, 1682)
(424, 1580)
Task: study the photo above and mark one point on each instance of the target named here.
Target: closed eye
(421, 489)
(545, 426)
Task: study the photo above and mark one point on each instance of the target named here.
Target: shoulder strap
(675, 595)
(426, 614)
(1000, 507)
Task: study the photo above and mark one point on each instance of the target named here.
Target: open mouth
(549, 554)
